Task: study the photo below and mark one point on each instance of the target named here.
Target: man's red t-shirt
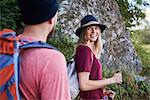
(43, 74)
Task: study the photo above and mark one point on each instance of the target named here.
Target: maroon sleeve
(83, 59)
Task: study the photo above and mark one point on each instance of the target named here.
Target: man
(43, 71)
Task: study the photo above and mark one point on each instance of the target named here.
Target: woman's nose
(93, 30)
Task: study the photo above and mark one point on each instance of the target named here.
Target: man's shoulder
(50, 58)
(44, 52)
(50, 52)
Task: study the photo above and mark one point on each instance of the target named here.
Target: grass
(145, 57)
(147, 48)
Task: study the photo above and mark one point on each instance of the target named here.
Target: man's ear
(50, 21)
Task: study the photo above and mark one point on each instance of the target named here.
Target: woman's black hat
(88, 21)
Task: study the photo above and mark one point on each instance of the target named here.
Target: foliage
(139, 39)
(132, 12)
(10, 15)
(145, 36)
(142, 53)
(130, 88)
(141, 36)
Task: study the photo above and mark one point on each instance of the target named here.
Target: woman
(88, 66)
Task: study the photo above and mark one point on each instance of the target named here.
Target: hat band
(90, 23)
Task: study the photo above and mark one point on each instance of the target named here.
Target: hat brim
(79, 30)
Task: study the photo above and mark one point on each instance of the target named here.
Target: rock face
(118, 49)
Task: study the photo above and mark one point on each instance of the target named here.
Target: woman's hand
(117, 77)
(111, 94)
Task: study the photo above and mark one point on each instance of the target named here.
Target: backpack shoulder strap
(36, 44)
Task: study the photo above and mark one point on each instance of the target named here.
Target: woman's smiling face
(92, 33)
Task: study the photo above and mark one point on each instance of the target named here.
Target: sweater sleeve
(83, 59)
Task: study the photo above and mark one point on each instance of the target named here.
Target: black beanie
(37, 11)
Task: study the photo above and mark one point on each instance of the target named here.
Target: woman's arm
(86, 84)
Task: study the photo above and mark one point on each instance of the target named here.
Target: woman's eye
(88, 28)
(97, 28)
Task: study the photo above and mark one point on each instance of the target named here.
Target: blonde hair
(97, 44)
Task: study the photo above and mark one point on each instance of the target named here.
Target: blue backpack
(9, 63)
